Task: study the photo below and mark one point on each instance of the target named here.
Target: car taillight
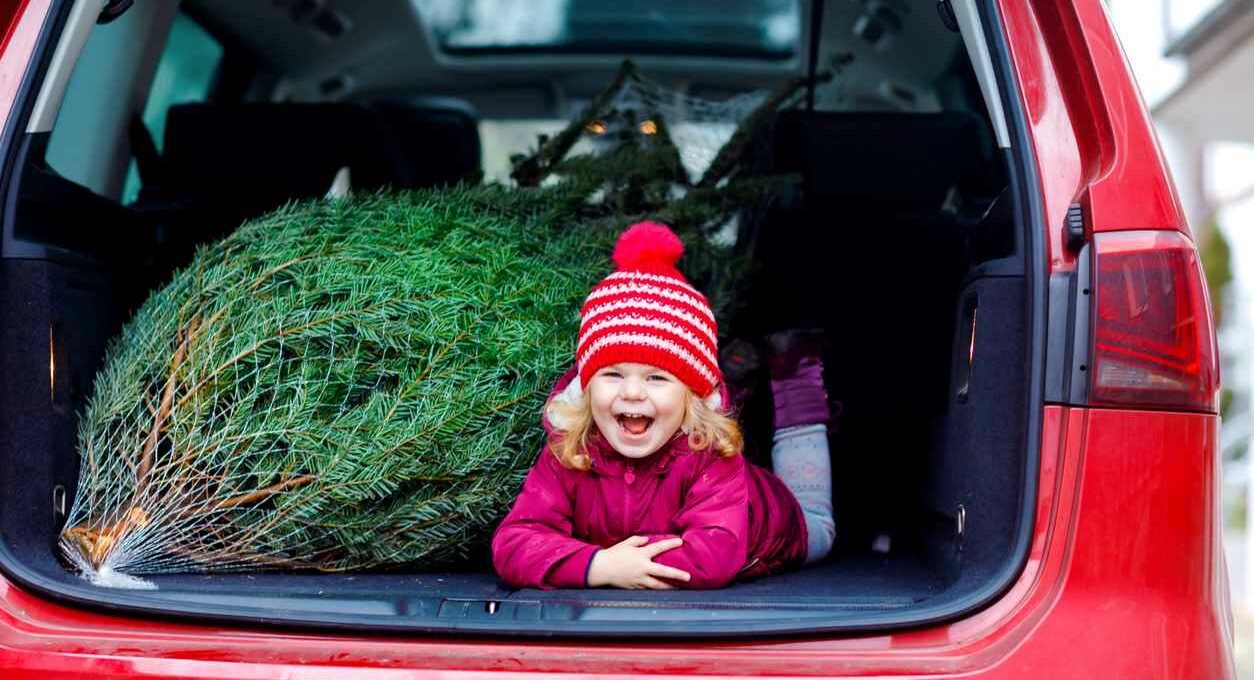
(1154, 344)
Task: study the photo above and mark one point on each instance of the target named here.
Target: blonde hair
(707, 428)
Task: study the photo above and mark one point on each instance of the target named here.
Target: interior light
(648, 127)
(597, 127)
(971, 345)
(52, 364)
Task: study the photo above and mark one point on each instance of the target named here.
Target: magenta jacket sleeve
(714, 522)
(533, 546)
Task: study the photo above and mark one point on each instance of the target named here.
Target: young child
(642, 484)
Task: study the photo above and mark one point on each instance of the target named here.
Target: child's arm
(714, 522)
(629, 564)
(533, 547)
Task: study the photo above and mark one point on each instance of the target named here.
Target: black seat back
(289, 151)
(224, 163)
(885, 164)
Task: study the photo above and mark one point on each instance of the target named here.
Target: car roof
(371, 48)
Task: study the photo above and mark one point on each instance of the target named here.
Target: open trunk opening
(903, 242)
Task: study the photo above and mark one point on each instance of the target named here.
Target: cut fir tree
(339, 385)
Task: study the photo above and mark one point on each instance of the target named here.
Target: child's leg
(800, 453)
(802, 463)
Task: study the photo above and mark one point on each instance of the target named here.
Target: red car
(1025, 465)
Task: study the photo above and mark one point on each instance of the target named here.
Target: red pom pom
(648, 245)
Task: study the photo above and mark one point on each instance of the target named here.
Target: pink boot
(796, 367)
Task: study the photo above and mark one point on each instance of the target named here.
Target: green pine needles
(339, 385)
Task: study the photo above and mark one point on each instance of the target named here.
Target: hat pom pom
(647, 245)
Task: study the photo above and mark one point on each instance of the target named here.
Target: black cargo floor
(874, 581)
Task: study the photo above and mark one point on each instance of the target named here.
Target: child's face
(637, 407)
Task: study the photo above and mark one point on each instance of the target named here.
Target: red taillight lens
(1154, 344)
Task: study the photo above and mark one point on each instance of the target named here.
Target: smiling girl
(641, 483)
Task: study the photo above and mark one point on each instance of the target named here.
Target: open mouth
(634, 423)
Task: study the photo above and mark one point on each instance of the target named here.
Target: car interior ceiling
(900, 228)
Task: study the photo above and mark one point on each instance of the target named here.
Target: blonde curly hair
(571, 416)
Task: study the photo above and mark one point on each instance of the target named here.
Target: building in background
(1194, 61)
(1211, 43)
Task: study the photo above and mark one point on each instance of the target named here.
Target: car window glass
(88, 144)
(185, 74)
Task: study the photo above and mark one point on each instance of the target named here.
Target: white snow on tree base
(105, 576)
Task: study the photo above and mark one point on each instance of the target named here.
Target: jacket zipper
(630, 478)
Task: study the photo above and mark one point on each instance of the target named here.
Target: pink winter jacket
(737, 520)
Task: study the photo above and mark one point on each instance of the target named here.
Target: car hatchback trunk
(906, 241)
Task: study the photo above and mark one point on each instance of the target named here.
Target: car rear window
(761, 29)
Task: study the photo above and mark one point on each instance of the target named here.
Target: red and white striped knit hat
(646, 313)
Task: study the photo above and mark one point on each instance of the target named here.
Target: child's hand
(630, 564)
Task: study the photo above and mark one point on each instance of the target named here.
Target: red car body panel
(1121, 582)
(22, 20)
(1124, 577)
(1092, 136)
